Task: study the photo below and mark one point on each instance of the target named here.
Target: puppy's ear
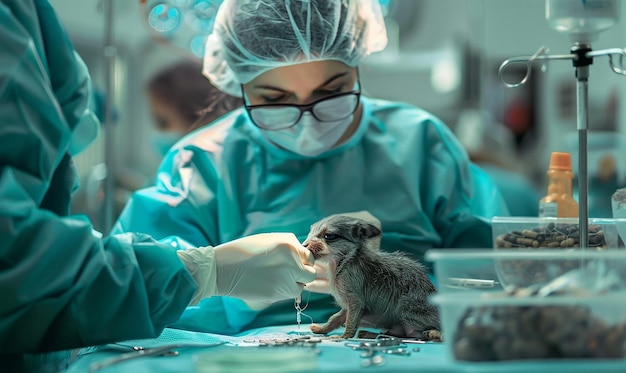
(367, 230)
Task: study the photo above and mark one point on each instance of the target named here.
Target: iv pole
(581, 63)
(581, 56)
(110, 53)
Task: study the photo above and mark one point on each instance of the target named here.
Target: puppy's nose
(313, 246)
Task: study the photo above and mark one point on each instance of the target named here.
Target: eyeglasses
(274, 117)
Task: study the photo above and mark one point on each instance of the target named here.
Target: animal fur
(384, 290)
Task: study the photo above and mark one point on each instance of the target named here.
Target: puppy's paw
(433, 335)
(318, 329)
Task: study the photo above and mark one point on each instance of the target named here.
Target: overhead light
(181, 24)
(164, 18)
(185, 24)
(201, 15)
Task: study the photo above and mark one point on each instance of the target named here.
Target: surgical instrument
(166, 350)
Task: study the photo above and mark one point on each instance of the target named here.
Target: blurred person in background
(181, 100)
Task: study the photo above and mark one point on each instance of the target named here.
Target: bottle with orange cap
(559, 201)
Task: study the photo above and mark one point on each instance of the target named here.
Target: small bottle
(559, 202)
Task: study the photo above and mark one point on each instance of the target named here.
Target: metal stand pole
(582, 63)
(581, 56)
(109, 139)
(581, 99)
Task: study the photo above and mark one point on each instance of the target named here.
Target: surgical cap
(251, 37)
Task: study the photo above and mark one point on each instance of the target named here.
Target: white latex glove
(264, 267)
(321, 284)
(323, 266)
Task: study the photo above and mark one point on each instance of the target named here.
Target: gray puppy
(387, 291)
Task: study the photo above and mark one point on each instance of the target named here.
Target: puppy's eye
(331, 237)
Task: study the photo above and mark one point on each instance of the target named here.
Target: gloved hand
(323, 266)
(321, 284)
(264, 267)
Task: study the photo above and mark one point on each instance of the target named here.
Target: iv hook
(612, 52)
(526, 60)
(617, 68)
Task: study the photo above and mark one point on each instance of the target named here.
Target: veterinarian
(309, 143)
(61, 284)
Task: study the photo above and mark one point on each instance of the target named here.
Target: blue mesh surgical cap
(251, 37)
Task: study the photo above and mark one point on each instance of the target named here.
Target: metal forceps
(373, 350)
(167, 350)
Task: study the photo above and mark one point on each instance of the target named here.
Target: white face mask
(310, 137)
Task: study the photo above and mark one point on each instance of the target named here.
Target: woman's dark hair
(183, 86)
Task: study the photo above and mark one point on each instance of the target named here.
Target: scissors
(167, 350)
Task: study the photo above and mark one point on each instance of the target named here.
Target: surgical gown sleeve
(458, 196)
(181, 203)
(61, 285)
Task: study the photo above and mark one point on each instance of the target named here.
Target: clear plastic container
(519, 233)
(554, 233)
(582, 20)
(579, 315)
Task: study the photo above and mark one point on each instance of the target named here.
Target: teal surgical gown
(61, 285)
(520, 195)
(226, 181)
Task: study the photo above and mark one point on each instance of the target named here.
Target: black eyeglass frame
(304, 107)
